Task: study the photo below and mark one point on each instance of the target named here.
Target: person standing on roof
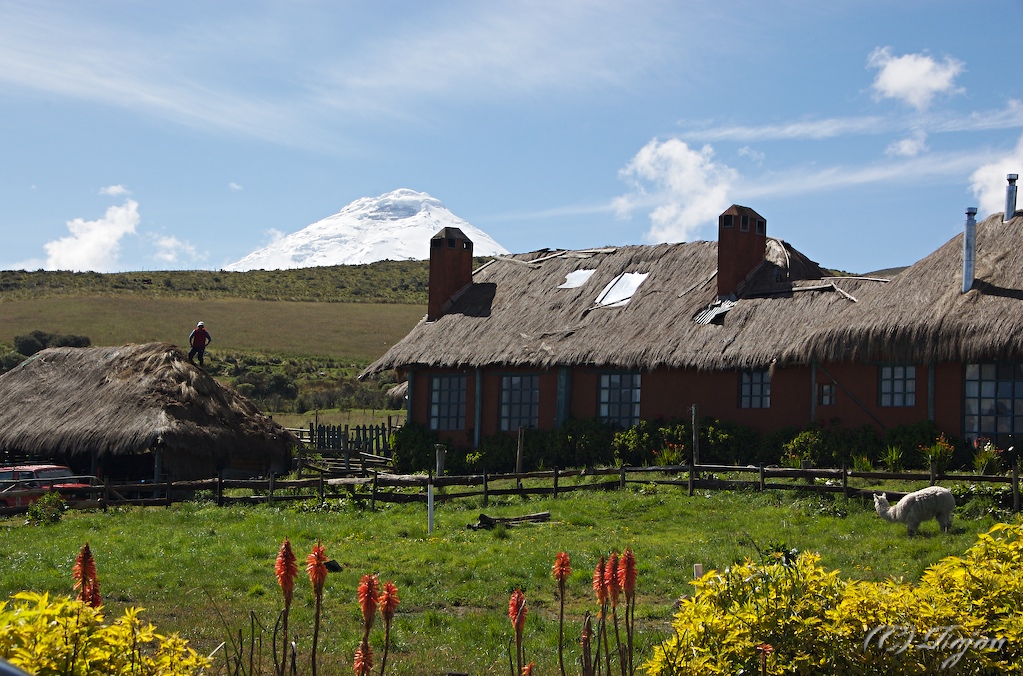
(199, 338)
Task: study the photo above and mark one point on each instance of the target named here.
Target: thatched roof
(514, 312)
(922, 314)
(123, 400)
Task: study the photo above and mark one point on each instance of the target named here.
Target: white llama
(934, 502)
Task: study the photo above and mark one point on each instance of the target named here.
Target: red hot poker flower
(598, 582)
(363, 663)
(388, 601)
(369, 590)
(561, 568)
(614, 590)
(517, 610)
(84, 575)
(627, 574)
(527, 670)
(316, 566)
(85, 567)
(286, 570)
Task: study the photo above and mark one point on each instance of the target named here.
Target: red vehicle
(21, 485)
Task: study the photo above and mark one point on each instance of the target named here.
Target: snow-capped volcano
(395, 226)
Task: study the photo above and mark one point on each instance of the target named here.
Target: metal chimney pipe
(1010, 197)
(969, 247)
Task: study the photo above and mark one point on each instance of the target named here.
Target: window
(520, 399)
(447, 402)
(993, 401)
(728, 221)
(826, 394)
(619, 399)
(898, 386)
(744, 223)
(755, 389)
(761, 226)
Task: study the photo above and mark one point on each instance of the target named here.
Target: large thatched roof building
(745, 328)
(132, 411)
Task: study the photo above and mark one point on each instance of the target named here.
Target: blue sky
(182, 135)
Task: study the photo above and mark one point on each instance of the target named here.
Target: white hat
(200, 324)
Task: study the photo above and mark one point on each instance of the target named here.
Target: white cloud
(687, 188)
(114, 190)
(911, 146)
(171, 250)
(755, 155)
(93, 245)
(234, 186)
(912, 78)
(988, 182)
(814, 178)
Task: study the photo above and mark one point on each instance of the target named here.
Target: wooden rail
(387, 487)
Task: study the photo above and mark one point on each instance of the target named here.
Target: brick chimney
(742, 242)
(450, 268)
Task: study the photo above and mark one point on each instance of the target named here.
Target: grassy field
(357, 332)
(192, 563)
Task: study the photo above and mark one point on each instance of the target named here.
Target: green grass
(455, 583)
(357, 332)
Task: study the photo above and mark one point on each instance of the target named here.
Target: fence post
(555, 482)
(621, 479)
(373, 498)
(845, 481)
(486, 491)
(1015, 488)
(762, 486)
(690, 478)
(270, 495)
(518, 457)
(168, 491)
(934, 472)
(320, 487)
(220, 488)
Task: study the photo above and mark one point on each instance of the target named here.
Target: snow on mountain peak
(395, 226)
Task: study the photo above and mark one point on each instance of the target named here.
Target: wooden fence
(374, 439)
(384, 487)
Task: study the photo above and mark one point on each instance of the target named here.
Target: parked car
(22, 485)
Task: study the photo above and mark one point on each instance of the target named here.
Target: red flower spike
(363, 663)
(517, 609)
(614, 590)
(527, 670)
(388, 601)
(561, 568)
(316, 566)
(369, 590)
(598, 582)
(286, 570)
(84, 575)
(627, 574)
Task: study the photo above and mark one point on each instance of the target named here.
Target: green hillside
(381, 282)
(292, 340)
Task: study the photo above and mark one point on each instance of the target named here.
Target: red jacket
(199, 338)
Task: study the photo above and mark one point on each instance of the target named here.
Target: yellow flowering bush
(964, 616)
(56, 635)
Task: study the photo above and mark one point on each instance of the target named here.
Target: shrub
(805, 447)
(60, 636)
(413, 447)
(49, 508)
(963, 613)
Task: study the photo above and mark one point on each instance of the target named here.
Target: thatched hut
(135, 411)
